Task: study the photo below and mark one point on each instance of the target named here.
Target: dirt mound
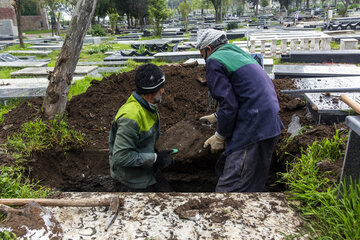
(184, 101)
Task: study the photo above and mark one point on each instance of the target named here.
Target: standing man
(247, 119)
(133, 162)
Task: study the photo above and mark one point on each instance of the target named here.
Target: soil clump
(184, 102)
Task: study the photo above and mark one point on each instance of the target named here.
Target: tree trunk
(307, 3)
(256, 8)
(17, 7)
(60, 79)
(128, 20)
(57, 24)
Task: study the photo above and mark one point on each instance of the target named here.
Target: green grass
(5, 235)
(10, 104)
(38, 135)
(5, 72)
(14, 183)
(37, 31)
(80, 86)
(316, 194)
(15, 47)
(238, 39)
(334, 45)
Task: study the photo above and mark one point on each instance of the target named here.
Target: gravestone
(46, 47)
(348, 44)
(33, 52)
(329, 56)
(177, 56)
(21, 64)
(119, 58)
(6, 57)
(351, 165)
(80, 71)
(327, 107)
(7, 28)
(304, 71)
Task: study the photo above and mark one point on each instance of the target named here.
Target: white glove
(216, 142)
(212, 118)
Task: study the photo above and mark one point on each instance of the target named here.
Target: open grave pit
(185, 100)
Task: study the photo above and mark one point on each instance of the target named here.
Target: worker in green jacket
(133, 162)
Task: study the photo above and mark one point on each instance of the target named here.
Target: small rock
(6, 127)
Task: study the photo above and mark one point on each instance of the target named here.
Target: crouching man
(134, 165)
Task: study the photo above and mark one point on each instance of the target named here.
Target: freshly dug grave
(184, 102)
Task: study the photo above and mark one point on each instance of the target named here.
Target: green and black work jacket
(133, 134)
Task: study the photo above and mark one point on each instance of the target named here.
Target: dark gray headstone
(351, 165)
(6, 57)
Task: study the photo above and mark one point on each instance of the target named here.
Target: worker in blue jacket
(248, 123)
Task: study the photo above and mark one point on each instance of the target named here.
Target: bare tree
(60, 79)
(17, 6)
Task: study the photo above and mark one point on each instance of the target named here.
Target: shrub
(97, 30)
(341, 10)
(100, 48)
(231, 25)
(354, 6)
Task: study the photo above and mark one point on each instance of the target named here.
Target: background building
(32, 16)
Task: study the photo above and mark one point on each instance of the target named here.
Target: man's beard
(157, 99)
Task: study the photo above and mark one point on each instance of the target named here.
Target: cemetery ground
(45, 159)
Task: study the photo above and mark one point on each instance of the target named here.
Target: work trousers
(245, 170)
(161, 185)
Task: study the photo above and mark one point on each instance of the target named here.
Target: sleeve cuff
(219, 136)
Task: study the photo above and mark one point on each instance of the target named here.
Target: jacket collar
(144, 103)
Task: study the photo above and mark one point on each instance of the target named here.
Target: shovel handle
(57, 202)
(349, 101)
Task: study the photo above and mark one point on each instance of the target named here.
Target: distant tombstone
(6, 57)
(348, 44)
(7, 28)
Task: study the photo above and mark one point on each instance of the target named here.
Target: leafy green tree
(55, 8)
(60, 78)
(218, 9)
(159, 13)
(255, 4)
(185, 10)
(113, 17)
(263, 4)
(17, 6)
(139, 10)
(102, 8)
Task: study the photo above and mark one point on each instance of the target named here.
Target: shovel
(349, 101)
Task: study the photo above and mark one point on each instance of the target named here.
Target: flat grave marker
(80, 71)
(308, 71)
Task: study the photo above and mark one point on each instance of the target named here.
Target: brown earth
(32, 220)
(184, 101)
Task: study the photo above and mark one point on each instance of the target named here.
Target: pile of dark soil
(184, 101)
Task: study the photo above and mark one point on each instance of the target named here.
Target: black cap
(149, 78)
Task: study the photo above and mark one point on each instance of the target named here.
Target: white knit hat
(207, 36)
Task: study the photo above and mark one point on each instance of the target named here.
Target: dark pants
(245, 170)
(161, 185)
